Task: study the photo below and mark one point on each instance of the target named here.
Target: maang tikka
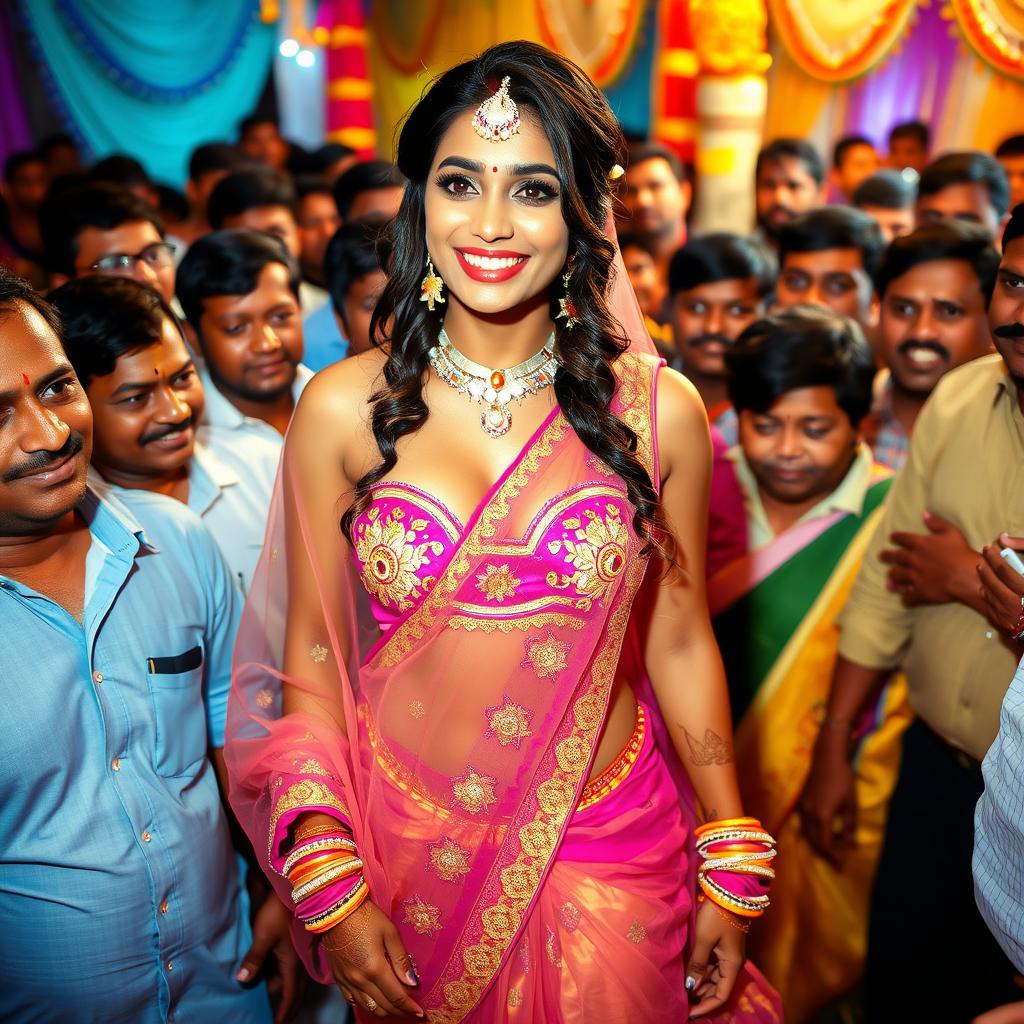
(497, 118)
(430, 286)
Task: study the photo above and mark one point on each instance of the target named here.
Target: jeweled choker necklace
(494, 388)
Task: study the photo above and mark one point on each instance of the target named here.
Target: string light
(289, 48)
(305, 58)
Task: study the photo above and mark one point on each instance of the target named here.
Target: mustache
(161, 432)
(778, 208)
(708, 339)
(40, 462)
(1009, 331)
(930, 346)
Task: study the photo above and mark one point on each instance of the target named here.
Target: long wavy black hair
(587, 143)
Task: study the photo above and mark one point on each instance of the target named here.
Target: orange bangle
(301, 878)
(317, 861)
(720, 823)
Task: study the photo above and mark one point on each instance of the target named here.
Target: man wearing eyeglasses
(103, 229)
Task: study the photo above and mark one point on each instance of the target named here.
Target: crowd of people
(859, 353)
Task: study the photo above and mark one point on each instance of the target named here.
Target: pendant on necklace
(496, 420)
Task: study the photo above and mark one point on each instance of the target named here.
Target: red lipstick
(478, 264)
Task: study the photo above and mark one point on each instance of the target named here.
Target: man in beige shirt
(917, 604)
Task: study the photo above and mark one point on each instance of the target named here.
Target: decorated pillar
(341, 30)
(729, 42)
(674, 121)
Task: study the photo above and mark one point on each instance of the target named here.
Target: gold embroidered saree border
(498, 924)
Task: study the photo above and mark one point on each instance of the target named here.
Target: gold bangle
(304, 872)
(320, 830)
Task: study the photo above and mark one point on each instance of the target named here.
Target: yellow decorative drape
(994, 30)
(413, 41)
(835, 42)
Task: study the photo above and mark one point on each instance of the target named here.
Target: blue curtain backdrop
(152, 79)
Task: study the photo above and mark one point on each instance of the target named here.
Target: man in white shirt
(147, 399)
(240, 292)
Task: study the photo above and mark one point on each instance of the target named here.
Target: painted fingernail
(244, 974)
(691, 983)
(412, 977)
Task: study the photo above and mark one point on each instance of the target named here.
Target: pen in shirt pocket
(241, 583)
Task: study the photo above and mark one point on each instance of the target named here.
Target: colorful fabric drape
(151, 80)
(14, 128)
(994, 30)
(775, 620)
(599, 35)
(837, 42)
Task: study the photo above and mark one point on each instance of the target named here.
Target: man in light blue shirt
(130, 355)
(120, 898)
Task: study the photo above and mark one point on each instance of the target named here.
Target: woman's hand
(719, 950)
(370, 964)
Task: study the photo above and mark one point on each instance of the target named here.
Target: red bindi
(495, 169)
(25, 380)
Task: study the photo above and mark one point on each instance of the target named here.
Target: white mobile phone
(1013, 559)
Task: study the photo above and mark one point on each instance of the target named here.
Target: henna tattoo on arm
(712, 750)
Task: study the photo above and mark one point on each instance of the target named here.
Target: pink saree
(447, 686)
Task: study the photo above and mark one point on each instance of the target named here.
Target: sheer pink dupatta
(456, 751)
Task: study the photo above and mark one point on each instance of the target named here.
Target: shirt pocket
(179, 711)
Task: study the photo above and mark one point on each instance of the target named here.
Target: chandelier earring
(430, 286)
(567, 308)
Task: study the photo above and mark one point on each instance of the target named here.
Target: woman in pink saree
(460, 645)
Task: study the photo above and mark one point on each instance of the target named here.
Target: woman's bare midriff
(618, 726)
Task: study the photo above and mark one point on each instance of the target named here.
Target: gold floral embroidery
(572, 754)
(497, 582)
(515, 998)
(481, 960)
(474, 792)
(417, 709)
(569, 915)
(312, 767)
(501, 922)
(546, 654)
(391, 558)
(424, 917)
(264, 698)
(509, 723)
(538, 837)
(597, 553)
(637, 933)
(306, 793)
(318, 653)
(554, 796)
(449, 860)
